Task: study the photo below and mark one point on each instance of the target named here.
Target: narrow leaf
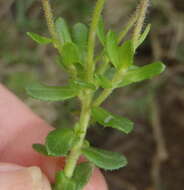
(60, 141)
(40, 148)
(101, 31)
(39, 39)
(80, 35)
(103, 81)
(51, 93)
(71, 54)
(144, 35)
(63, 182)
(104, 159)
(142, 73)
(109, 120)
(82, 174)
(63, 31)
(112, 48)
(82, 85)
(126, 54)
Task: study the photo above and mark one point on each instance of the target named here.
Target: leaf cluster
(117, 58)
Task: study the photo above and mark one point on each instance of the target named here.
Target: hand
(21, 168)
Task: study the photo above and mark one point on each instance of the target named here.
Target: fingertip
(21, 178)
(97, 181)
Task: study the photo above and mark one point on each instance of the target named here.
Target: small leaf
(51, 93)
(112, 48)
(103, 81)
(144, 35)
(63, 31)
(59, 61)
(40, 148)
(80, 35)
(39, 39)
(63, 182)
(82, 174)
(60, 141)
(71, 54)
(104, 159)
(101, 31)
(142, 73)
(126, 54)
(109, 120)
(82, 84)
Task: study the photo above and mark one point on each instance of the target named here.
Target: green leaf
(71, 54)
(142, 73)
(126, 54)
(103, 81)
(109, 120)
(82, 84)
(80, 35)
(144, 35)
(51, 93)
(82, 174)
(60, 141)
(63, 182)
(112, 48)
(104, 159)
(40, 148)
(101, 31)
(39, 39)
(63, 31)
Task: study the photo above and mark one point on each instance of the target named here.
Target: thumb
(17, 177)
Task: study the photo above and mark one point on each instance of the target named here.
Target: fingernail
(37, 177)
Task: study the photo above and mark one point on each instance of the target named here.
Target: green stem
(91, 42)
(129, 25)
(83, 125)
(106, 92)
(139, 17)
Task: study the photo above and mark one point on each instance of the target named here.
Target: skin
(20, 166)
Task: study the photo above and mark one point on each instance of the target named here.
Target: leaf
(109, 120)
(51, 93)
(80, 35)
(63, 182)
(40, 148)
(144, 35)
(101, 31)
(71, 54)
(63, 31)
(103, 81)
(142, 73)
(82, 84)
(82, 174)
(112, 48)
(39, 39)
(60, 141)
(104, 159)
(59, 61)
(126, 54)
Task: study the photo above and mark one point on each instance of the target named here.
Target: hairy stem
(49, 19)
(50, 23)
(83, 125)
(91, 42)
(142, 9)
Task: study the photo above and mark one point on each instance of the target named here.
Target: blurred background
(155, 148)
